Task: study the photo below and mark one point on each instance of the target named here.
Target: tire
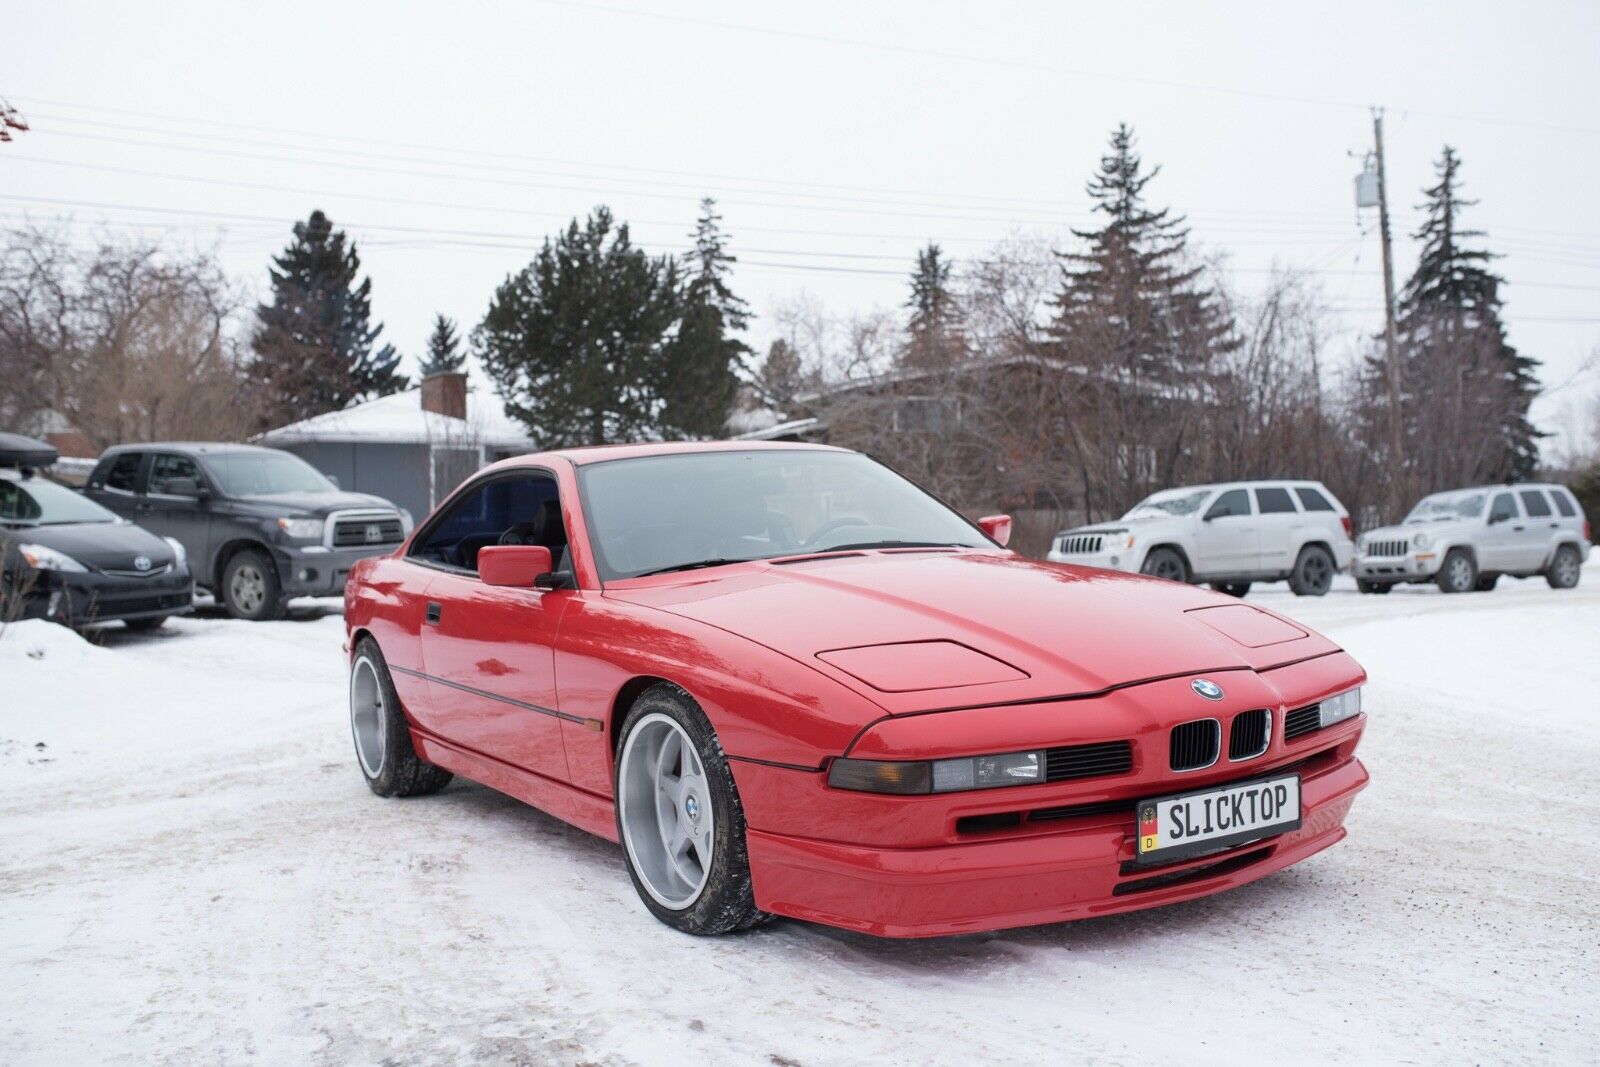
(697, 882)
(1313, 572)
(145, 625)
(1458, 573)
(1238, 589)
(1565, 569)
(1485, 583)
(381, 734)
(1165, 563)
(1377, 588)
(250, 588)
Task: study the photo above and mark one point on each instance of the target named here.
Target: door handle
(1516, 529)
(1555, 526)
(434, 612)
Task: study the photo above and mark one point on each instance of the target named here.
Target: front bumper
(319, 571)
(1412, 567)
(1126, 560)
(920, 866)
(75, 599)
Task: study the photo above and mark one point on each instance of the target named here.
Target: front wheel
(679, 818)
(1458, 574)
(384, 752)
(250, 588)
(1565, 569)
(1165, 563)
(1313, 572)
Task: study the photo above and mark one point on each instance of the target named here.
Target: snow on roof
(399, 419)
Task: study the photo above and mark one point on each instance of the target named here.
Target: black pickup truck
(259, 525)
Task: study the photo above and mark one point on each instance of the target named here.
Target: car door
(1538, 537)
(186, 519)
(1278, 528)
(489, 651)
(1226, 541)
(1497, 545)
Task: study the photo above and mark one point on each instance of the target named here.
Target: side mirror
(334, 478)
(1495, 520)
(185, 487)
(997, 527)
(516, 566)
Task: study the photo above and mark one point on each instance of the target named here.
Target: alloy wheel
(664, 803)
(1460, 575)
(248, 589)
(368, 722)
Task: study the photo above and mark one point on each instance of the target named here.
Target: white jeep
(1466, 539)
(1230, 535)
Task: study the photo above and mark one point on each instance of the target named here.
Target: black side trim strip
(591, 724)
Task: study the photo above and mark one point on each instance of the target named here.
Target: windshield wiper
(694, 566)
(861, 545)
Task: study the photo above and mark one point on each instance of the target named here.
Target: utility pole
(1396, 436)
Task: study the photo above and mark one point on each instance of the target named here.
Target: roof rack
(25, 453)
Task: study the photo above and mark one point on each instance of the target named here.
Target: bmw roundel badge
(1206, 688)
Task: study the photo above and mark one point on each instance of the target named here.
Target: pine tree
(1145, 334)
(934, 337)
(314, 342)
(1465, 390)
(781, 375)
(576, 342)
(444, 350)
(700, 379)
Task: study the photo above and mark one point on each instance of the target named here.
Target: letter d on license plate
(1210, 820)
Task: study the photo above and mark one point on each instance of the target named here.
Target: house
(413, 447)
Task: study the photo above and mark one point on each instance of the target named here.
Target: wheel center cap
(691, 807)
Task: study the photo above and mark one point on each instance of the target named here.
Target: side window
(167, 466)
(521, 510)
(1564, 503)
(1233, 502)
(1274, 500)
(124, 473)
(1311, 499)
(1533, 499)
(1504, 509)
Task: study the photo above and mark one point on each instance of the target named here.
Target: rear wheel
(1232, 588)
(1565, 569)
(1374, 587)
(679, 818)
(250, 588)
(382, 736)
(1458, 574)
(1313, 572)
(1166, 563)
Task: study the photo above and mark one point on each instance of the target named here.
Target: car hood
(100, 545)
(315, 505)
(1406, 531)
(918, 631)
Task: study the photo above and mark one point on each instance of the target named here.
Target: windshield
(1170, 502)
(1442, 506)
(675, 512)
(265, 473)
(37, 502)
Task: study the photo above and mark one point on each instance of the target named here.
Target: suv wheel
(1458, 574)
(1565, 569)
(250, 587)
(1165, 563)
(1313, 572)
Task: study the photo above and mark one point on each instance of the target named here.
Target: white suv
(1229, 535)
(1467, 538)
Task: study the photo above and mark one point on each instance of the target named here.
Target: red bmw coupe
(790, 682)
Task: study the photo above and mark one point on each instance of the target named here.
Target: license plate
(1210, 820)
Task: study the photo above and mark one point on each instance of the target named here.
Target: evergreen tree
(781, 375)
(444, 350)
(314, 342)
(700, 379)
(934, 330)
(1465, 391)
(576, 342)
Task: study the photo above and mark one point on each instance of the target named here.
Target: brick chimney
(445, 394)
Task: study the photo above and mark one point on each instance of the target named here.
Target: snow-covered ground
(191, 871)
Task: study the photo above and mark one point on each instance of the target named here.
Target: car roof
(606, 453)
(1498, 487)
(213, 447)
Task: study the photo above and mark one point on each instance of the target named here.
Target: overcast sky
(838, 137)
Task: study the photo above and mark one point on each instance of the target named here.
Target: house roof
(399, 419)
